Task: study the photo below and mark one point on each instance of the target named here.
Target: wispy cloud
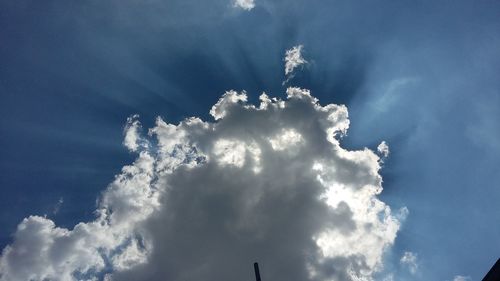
(383, 149)
(57, 206)
(461, 278)
(410, 260)
(293, 59)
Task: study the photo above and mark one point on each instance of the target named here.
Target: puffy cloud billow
(204, 200)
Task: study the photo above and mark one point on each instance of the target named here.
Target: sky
(136, 142)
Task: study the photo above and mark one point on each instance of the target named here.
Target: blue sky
(421, 75)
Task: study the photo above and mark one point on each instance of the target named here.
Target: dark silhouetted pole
(257, 273)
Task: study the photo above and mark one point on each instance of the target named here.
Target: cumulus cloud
(409, 260)
(43, 251)
(244, 4)
(267, 183)
(293, 59)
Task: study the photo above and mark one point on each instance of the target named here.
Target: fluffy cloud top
(244, 4)
(204, 200)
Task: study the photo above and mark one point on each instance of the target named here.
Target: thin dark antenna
(257, 273)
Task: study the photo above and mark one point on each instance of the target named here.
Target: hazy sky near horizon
(423, 76)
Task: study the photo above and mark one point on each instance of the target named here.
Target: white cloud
(402, 214)
(220, 109)
(409, 260)
(286, 139)
(269, 183)
(461, 278)
(293, 59)
(229, 152)
(43, 251)
(133, 140)
(244, 4)
(383, 149)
